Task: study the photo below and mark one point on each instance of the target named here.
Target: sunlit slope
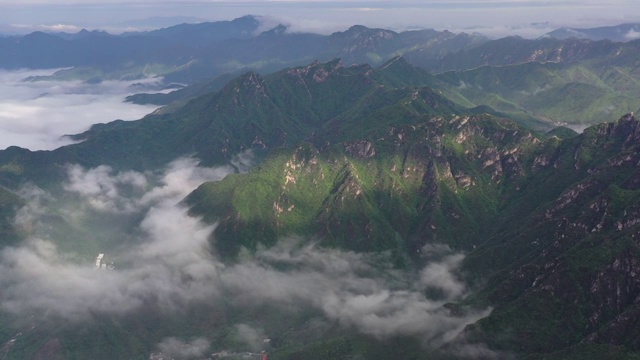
(395, 187)
(263, 113)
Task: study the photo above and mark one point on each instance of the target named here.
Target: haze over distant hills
(591, 79)
(157, 22)
(619, 33)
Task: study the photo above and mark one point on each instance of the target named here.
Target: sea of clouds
(37, 114)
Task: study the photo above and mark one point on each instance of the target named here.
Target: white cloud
(36, 115)
(250, 336)
(168, 265)
(101, 189)
(355, 290)
(632, 35)
(175, 348)
(439, 276)
(165, 262)
(42, 27)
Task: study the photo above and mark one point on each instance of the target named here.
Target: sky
(529, 18)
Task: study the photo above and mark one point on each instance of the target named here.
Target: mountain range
(541, 82)
(618, 33)
(373, 160)
(371, 206)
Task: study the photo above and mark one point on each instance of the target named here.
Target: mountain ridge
(372, 160)
(617, 33)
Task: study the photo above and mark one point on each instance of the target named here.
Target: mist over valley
(36, 114)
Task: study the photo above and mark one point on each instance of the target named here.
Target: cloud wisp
(167, 262)
(164, 261)
(175, 348)
(37, 114)
(355, 290)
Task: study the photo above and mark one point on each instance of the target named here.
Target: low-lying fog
(36, 114)
(163, 259)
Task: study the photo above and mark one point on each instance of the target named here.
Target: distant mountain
(158, 22)
(563, 81)
(516, 50)
(539, 95)
(204, 33)
(81, 34)
(188, 53)
(618, 33)
(539, 82)
(91, 52)
(572, 93)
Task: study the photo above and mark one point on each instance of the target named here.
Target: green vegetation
(564, 93)
(375, 161)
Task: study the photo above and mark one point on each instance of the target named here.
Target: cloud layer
(166, 263)
(36, 114)
(175, 348)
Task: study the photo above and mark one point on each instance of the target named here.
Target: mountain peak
(624, 131)
(357, 31)
(278, 30)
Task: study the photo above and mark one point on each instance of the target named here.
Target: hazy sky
(525, 17)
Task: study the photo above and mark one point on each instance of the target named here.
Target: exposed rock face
(559, 242)
(411, 182)
(361, 149)
(575, 263)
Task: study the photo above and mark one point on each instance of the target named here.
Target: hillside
(371, 208)
(319, 102)
(551, 225)
(574, 94)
